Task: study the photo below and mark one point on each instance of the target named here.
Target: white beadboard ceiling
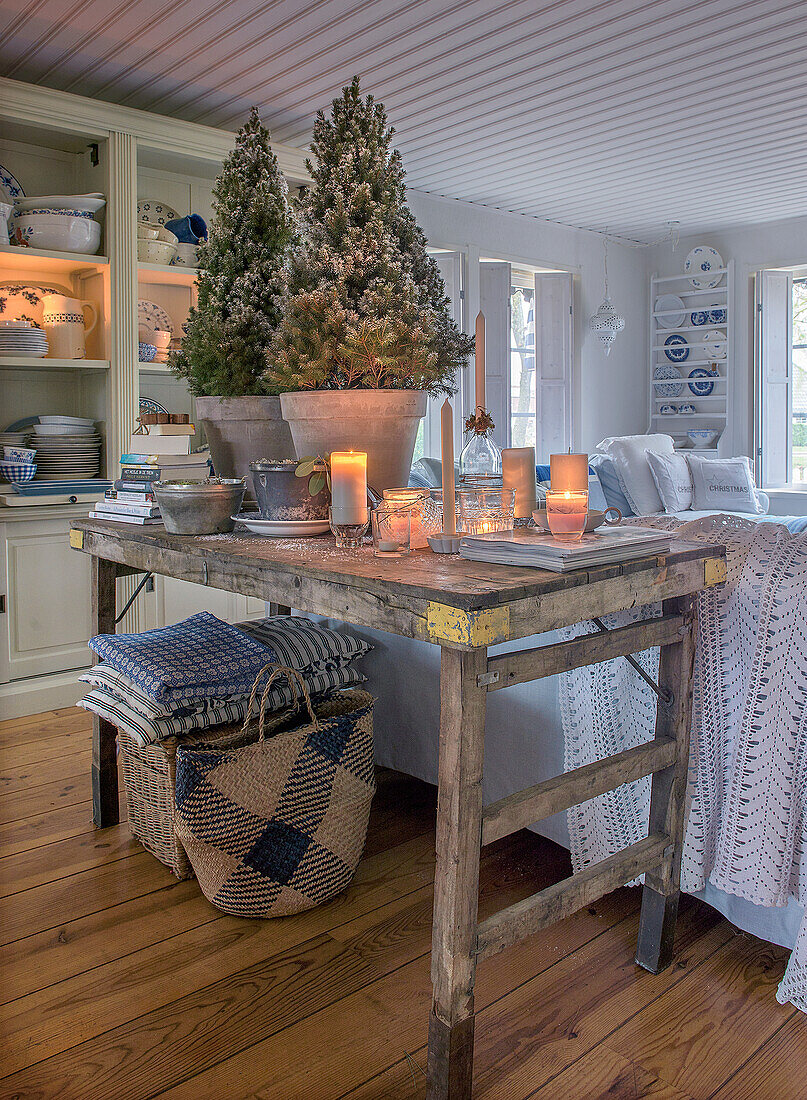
(617, 114)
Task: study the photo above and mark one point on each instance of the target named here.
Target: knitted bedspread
(747, 798)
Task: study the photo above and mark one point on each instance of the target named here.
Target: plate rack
(712, 411)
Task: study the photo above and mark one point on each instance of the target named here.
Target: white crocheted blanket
(747, 813)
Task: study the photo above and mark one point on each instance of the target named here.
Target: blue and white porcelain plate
(10, 186)
(23, 302)
(700, 317)
(699, 264)
(149, 406)
(717, 316)
(152, 317)
(155, 212)
(714, 344)
(676, 348)
(701, 388)
(661, 373)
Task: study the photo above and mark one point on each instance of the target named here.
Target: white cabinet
(176, 600)
(47, 607)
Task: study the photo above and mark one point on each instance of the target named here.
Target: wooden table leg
(668, 795)
(456, 886)
(104, 757)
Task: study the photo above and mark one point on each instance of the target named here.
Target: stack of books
(162, 455)
(528, 547)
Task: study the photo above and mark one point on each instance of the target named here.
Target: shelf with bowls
(690, 329)
(166, 274)
(26, 261)
(26, 362)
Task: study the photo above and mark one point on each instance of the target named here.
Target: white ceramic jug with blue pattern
(66, 325)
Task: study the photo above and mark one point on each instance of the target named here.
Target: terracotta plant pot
(384, 423)
(241, 430)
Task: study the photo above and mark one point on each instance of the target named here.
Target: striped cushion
(147, 729)
(303, 645)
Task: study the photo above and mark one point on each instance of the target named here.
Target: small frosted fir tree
(367, 307)
(243, 273)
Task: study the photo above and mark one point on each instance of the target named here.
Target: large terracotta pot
(384, 423)
(241, 430)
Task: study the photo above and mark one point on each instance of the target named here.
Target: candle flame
(567, 495)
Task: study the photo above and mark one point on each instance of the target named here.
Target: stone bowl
(199, 507)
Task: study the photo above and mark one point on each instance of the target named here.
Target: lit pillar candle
(479, 351)
(568, 472)
(518, 472)
(349, 486)
(447, 456)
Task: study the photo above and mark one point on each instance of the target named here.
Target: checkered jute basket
(279, 825)
(149, 776)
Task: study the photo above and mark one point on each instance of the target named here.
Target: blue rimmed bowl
(17, 472)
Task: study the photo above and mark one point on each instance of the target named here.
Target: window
(799, 376)
(522, 361)
(781, 378)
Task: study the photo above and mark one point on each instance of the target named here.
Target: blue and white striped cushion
(303, 645)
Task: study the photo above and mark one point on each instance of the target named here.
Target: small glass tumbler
(415, 501)
(349, 536)
(483, 511)
(392, 531)
(566, 513)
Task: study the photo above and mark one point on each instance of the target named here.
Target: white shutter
(494, 301)
(450, 264)
(553, 364)
(774, 295)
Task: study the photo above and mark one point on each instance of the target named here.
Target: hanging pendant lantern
(606, 322)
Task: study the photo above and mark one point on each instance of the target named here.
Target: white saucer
(282, 529)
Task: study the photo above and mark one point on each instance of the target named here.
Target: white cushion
(629, 455)
(673, 481)
(723, 484)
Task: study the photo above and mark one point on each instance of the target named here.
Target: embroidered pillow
(200, 658)
(673, 481)
(723, 485)
(629, 453)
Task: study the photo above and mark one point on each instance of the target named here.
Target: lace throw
(747, 797)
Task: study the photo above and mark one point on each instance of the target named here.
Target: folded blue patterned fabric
(200, 658)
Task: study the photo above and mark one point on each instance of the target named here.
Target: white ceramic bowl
(155, 252)
(87, 204)
(147, 232)
(702, 437)
(62, 429)
(62, 233)
(187, 255)
(19, 454)
(160, 337)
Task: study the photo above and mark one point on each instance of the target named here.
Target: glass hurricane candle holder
(415, 501)
(349, 536)
(483, 511)
(392, 531)
(566, 513)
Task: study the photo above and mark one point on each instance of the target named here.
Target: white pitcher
(66, 326)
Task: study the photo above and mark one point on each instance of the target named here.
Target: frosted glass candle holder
(391, 531)
(566, 513)
(415, 501)
(483, 511)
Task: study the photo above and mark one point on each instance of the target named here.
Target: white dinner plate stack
(29, 342)
(67, 447)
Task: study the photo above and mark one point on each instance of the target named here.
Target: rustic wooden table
(465, 607)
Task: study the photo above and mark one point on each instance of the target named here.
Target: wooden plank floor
(119, 983)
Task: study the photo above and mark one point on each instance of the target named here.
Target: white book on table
(125, 508)
(161, 444)
(527, 547)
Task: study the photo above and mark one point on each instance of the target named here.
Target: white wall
(768, 244)
(611, 393)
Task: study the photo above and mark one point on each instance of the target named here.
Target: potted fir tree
(242, 280)
(367, 332)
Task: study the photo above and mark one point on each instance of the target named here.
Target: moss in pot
(367, 333)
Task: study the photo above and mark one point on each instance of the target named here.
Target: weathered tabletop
(439, 598)
(464, 607)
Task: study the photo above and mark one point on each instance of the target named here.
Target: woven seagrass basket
(149, 776)
(278, 825)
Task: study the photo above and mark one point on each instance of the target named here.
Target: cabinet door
(177, 599)
(48, 606)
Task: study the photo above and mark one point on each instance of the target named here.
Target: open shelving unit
(713, 410)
